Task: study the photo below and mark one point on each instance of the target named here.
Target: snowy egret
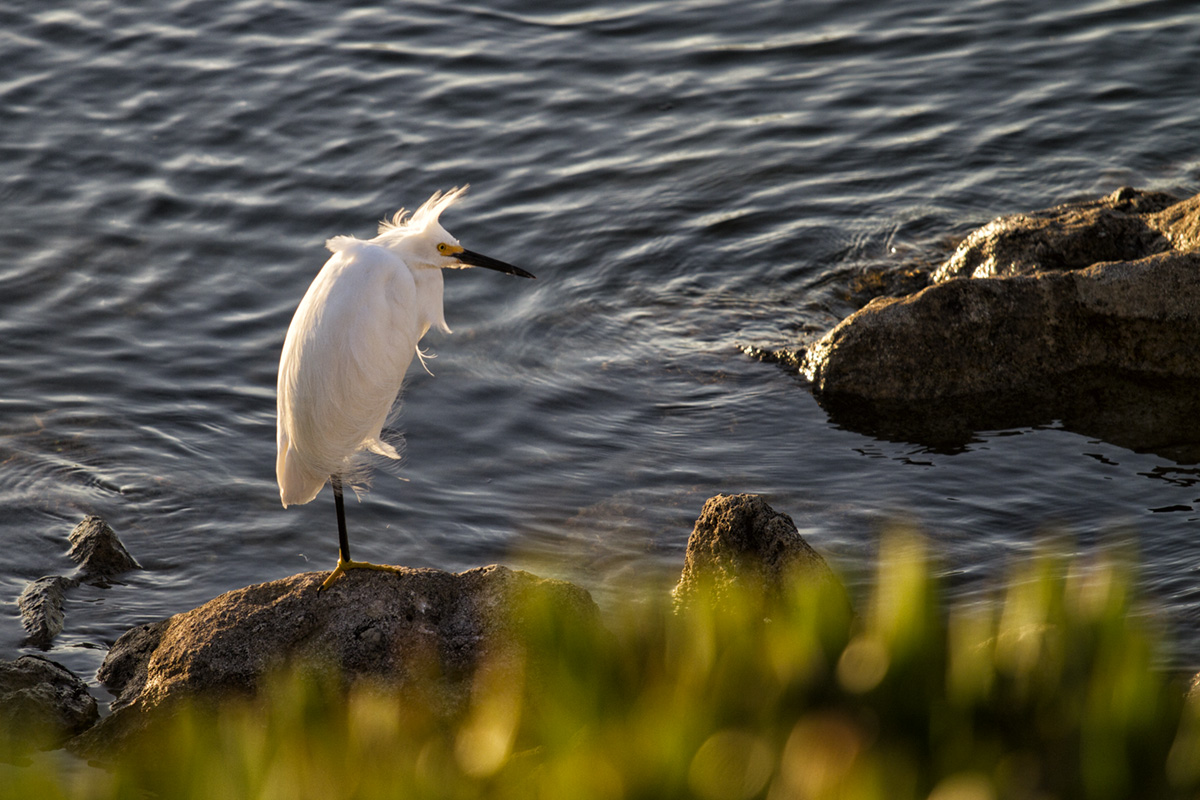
(350, 342)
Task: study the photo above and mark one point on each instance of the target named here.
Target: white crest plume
(429, 212)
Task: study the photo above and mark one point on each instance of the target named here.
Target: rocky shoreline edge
(392, 629)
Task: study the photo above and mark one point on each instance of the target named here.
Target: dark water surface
(684, 178)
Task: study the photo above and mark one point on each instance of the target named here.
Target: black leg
(343, 539)
(344, 563)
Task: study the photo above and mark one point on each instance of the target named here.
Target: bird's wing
(349, 345)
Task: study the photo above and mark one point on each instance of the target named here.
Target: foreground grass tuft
(1052, 691)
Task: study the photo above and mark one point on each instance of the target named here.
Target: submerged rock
(42, 704)
(1020, 327)
(421, 631)
(41, 606)
(740, 541)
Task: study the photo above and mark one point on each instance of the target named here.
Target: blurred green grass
(1054, 690)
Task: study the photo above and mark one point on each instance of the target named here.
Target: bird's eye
(444, 249)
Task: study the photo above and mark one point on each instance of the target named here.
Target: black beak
(477, 260)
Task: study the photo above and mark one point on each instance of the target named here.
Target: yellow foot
(345, 566)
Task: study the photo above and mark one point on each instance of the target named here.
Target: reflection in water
(1146, 416)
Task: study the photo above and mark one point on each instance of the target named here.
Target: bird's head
(427, 244)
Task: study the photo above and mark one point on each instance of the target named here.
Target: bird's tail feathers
(297, 485)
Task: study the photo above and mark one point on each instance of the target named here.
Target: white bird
(349, 345)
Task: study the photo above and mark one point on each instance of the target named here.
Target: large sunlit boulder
(1088, 313)
(420, 631)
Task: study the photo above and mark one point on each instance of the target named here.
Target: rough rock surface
(1010, 334)
(1180, 223)
(41, 606)
(1087, 311)
(41, 705)
(739, 540)
(397, 629)
(98, 552)
(1118, 227)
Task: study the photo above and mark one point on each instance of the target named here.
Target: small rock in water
(41, 606)
(740, 541)
(100, 555)
(98, 551)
